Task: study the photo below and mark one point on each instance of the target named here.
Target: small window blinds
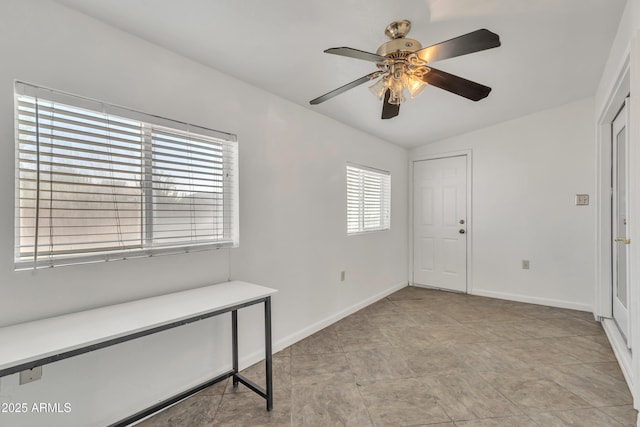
(368, 199)
(99, 182)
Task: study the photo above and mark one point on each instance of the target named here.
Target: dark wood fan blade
(472, 42)
(454, 84)
(355, 53)
(389, 111)
(345, 88)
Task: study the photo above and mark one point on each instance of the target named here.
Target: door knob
(623, 240)
(461, 221)
(461, 231)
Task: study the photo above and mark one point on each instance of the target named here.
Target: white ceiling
(553, 52)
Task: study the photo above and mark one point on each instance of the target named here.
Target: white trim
(533, 300)
(619, 346)
(417, 158)
(634, 206)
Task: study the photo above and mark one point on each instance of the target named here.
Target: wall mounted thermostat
(582, 199)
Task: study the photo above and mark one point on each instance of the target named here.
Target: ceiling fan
(403, 64)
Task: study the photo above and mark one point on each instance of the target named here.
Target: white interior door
(620, 215)
(440, 223)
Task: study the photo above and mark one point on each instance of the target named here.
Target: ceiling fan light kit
(402, 67)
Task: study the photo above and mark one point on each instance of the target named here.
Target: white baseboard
(533, 300)
(284, 342)
(622, 353)
(257, 356)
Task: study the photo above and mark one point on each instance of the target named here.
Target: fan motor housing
(399, 45)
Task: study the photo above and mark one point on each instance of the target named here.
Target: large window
(368, 199)
(100, 182)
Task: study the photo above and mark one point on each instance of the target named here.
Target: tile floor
(424, 357)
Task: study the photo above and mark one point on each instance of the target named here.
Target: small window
(368, 199)
(99, 182)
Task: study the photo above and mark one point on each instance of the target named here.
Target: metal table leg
(268, 352)
(234, 345)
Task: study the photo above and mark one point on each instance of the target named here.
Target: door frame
(604, 285)
(469, 230)
(626, 81)
(617, 249)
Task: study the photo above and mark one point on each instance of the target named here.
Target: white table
(45, 341)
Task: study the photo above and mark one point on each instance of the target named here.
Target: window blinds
(368, 199)
(99, 182)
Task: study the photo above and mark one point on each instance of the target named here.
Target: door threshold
(435, 288)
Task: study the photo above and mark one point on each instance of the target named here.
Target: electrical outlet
(582, 199)
(525, 264)
(342, 275)
(30, 375)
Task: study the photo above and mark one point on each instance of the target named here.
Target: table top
(29, 341)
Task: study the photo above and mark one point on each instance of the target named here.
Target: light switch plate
(582, 199)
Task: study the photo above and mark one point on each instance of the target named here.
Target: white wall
(525, 175)
(292, 218)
